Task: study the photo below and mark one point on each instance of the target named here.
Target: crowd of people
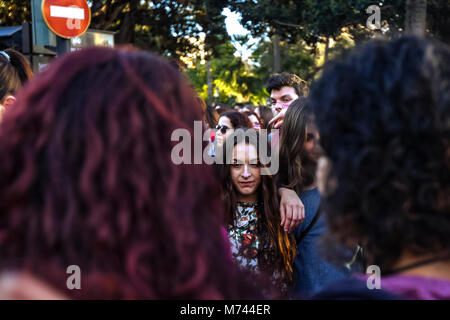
(86, 179)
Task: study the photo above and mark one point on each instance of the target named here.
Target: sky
(234, 27)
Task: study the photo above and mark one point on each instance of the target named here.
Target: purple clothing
(225, 238)
(415, 287)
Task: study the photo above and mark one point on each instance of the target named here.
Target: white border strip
(66, 12)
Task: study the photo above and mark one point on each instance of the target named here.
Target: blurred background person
(220, 107)
(265, 114)
(238, 106)
(284, 88)
(383, 113)
(229, 121)
(15, 70)
(299, 153)
(88, 180)
(254, 119)
(247, 108)
(211, 117)
(23, 286)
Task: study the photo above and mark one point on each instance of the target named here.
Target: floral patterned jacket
(249, 247)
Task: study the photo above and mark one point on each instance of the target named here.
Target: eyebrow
(283, 96)
(254, 160)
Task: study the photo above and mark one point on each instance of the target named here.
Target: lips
(246, 184)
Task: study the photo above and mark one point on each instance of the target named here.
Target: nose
(278, 108)
(246, 173)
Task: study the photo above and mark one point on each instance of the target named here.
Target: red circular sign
(67, 18)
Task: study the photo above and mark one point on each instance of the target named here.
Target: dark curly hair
(87, 179)
(383, 116)
(237, 119)
(279, 80)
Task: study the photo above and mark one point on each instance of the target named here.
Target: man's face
(281, 99)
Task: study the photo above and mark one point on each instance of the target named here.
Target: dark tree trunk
(127, 29)
(209, 81)
(327, 47)
(415, 18)
(276, 53)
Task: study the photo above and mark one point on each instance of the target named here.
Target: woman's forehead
(244, 151)
(225, 121)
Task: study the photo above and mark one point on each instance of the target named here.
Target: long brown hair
(297, 170)
(269, 210)
(266, 115)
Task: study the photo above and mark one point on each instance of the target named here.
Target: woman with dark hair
(15, 70)
(265, 115)
(212, 117)
(229, 121)
(299, 154)
(383, 113)
(220, 107)
(252, 214)
(247, 108)
(87, 180)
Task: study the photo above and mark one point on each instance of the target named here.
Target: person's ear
(9, 101)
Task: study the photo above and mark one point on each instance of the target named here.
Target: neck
(311, 186)
(247, 198)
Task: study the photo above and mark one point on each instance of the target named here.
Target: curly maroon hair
(87, 179)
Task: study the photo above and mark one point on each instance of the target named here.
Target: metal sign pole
(62, 46)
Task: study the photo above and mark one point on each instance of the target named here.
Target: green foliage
(238, 81)
(233, 79)
(166, 27)
(295, 58)
(315, 20)
(14, 13)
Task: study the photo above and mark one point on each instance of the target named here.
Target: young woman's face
(224, 131)
(255, 122)
(312, 143)
(245, 171)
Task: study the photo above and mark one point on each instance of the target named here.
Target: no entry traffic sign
(67, 18)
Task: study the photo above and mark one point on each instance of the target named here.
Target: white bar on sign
(66, 12)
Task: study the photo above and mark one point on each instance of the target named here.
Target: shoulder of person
(353, 289)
